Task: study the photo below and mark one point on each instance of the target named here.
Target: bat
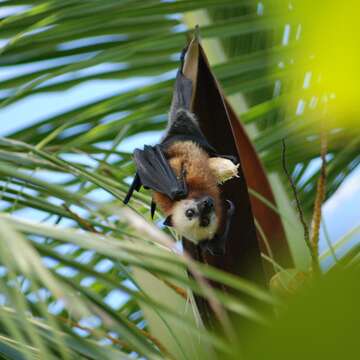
(185, 172)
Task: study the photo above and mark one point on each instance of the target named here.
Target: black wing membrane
(182, 94)
(155, 173)
(185, 128)
(136, 185)
(183, 125)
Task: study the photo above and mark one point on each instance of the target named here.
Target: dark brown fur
(199, 178)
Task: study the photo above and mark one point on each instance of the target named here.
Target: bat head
(197, 216)
(196, 219)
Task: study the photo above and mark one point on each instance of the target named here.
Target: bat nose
(206, 205)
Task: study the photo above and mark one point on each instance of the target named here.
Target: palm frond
(67, 173)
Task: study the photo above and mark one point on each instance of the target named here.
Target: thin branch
(179, 290)
(294, 190)
(82, 222)
(320, 196)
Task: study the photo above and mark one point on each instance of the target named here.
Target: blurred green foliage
(321, 321)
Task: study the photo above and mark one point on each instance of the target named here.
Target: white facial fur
(190, 228)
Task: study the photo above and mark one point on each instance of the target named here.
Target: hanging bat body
(198, 215)
(184, 173)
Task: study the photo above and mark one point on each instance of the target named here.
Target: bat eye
(189, 213)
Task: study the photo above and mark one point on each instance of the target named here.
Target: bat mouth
(204, 221)
(206, 209)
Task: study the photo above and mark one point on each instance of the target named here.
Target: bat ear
(168, 221)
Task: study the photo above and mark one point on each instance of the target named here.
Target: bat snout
(206, 206)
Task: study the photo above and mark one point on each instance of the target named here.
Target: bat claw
(152, 209)
(231, 208)
(214, 247)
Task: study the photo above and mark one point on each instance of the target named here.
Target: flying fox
(185, 172)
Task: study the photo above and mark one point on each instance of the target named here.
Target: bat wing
(154, 172)
(182, 94)
(183, 125)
